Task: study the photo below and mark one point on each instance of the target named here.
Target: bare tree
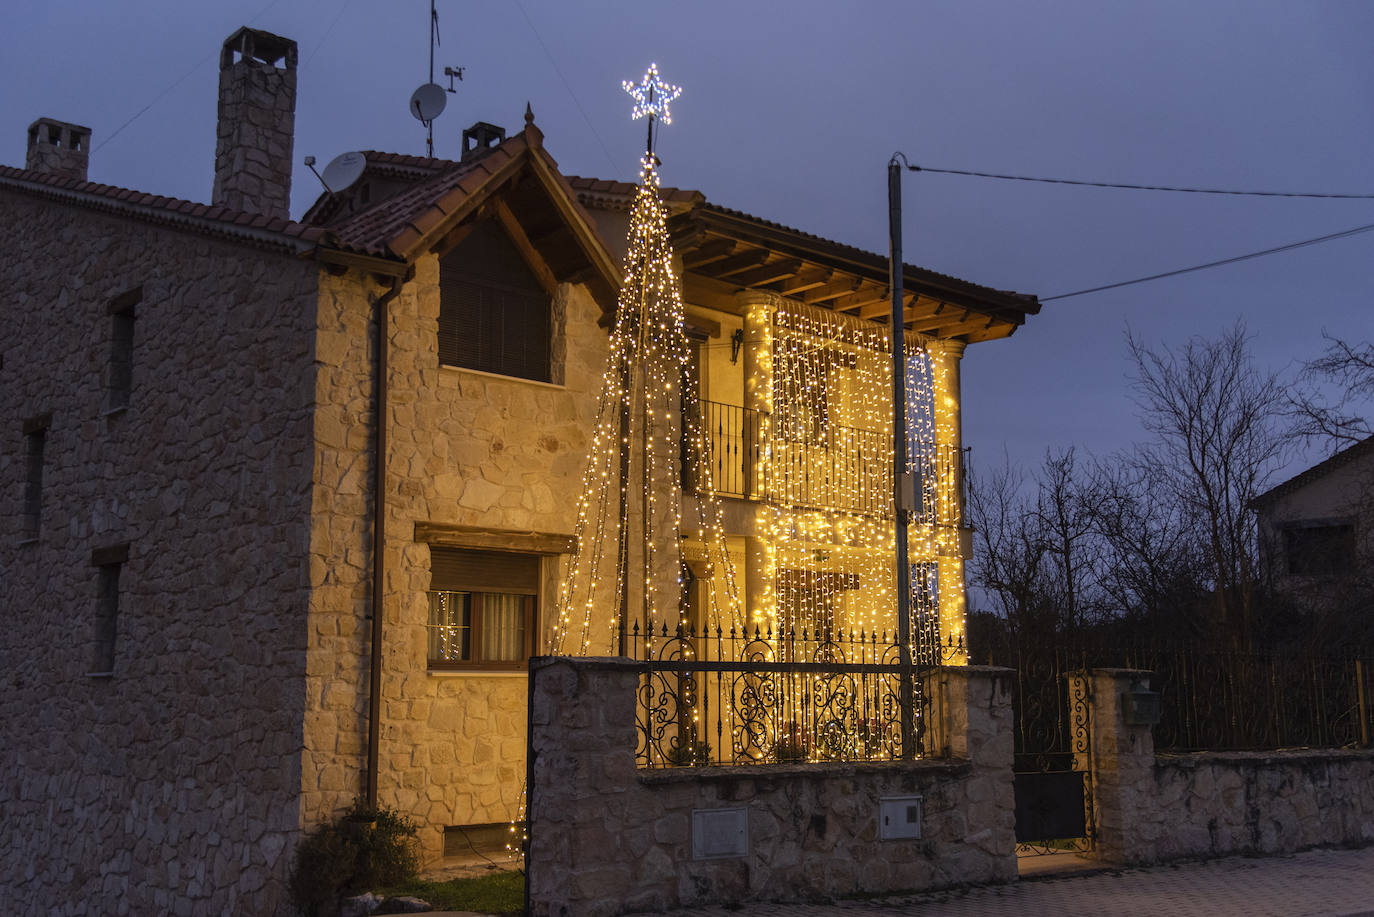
(1215, 422)
(1064, 516)
(1037, 555)
(1009, 556)
(1151, 569)
(1349, 368)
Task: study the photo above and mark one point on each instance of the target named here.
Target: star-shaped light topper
(652, 96)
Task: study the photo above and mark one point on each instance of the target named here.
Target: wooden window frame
(530, 605)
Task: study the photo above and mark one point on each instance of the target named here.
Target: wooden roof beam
(954, 329)
(806, 280)
(734, 264)
(770, 272)
(832, 290)
(706, 252)
(536, 261)
(872, 305)
(943, 316)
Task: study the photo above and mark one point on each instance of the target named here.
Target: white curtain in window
(503, 627)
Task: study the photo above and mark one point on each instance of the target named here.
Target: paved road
(1329, 883)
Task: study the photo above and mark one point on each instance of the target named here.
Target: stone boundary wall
(608, 838)
(1150, 807)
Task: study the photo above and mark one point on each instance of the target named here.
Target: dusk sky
(790, 112)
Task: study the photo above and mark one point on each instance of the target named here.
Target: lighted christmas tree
(648, 557)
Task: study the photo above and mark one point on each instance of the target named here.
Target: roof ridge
(176, 210)
(1326, 465)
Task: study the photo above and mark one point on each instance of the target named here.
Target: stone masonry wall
(464, 448)
(607, 838)
(1150, 808)
(169, 786)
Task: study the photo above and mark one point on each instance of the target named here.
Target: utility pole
(901, 476)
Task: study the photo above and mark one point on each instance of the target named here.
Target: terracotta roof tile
(1023, 302)
(593, 192)
(389, 227)
(156, 208)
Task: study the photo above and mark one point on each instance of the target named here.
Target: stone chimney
(58, 148)
(257, 115)
(481, 137)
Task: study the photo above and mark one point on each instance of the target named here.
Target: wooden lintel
(478, 537)
(709, 293)
(705, 324)
(536, 261)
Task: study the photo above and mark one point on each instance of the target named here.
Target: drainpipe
(374, 698)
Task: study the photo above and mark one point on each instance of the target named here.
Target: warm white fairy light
(652, 96)
(827, 467)
(650, 388)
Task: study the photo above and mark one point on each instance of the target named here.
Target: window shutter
(483, 571)
(493, 313)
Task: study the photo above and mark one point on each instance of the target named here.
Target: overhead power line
(566, 85)
(1202, 267)
(1129, 187)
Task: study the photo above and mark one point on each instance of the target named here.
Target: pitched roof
(810, 243)
(393, 225)
(1317, 472)
(211, 219)
(694, 216)
(608, 194)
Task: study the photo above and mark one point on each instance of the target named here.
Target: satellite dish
(343, 170)
(427, 102)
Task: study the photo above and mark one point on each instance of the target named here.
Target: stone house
(1316, 535)
(198, 396)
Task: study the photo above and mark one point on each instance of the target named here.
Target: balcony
(822, 467)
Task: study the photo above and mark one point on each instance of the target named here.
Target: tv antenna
(427, 102)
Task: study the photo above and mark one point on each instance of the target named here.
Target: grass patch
(496, 893)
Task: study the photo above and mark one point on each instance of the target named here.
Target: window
(108, 562)
(35, 438)
(482, 609)
(120, 374)
(1320, 550)
(494, 315)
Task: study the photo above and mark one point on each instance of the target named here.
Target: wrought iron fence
(1212, 699)
(728, 697)
(834, 467)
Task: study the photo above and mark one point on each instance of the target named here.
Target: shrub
(696, 754)
(364, 848)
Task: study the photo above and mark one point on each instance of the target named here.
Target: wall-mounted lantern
(1142, 706)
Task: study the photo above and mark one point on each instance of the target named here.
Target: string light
(652, 96)
(632, 489)
(822, 476)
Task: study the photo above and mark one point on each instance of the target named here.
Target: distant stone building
(193, 670)
(1316, 534)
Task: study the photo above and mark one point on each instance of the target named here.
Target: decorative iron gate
(1053, 788)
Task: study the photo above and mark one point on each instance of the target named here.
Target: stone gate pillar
(1119, 755)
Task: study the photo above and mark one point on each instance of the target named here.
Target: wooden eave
(724, 253)
(533, 205)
